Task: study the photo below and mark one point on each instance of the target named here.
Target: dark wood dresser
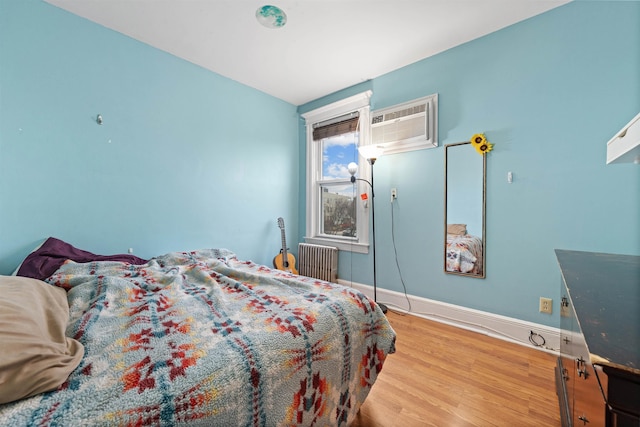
(598, 371)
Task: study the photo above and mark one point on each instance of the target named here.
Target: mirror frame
(484, 213)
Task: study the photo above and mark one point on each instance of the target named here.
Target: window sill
(342, 245)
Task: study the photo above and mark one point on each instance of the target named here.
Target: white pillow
(36, 355)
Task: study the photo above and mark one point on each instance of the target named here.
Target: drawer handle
(582, 368)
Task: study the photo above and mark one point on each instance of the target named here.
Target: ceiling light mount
(271, 16)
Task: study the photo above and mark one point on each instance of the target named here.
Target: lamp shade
(371, 151)
(352, 168)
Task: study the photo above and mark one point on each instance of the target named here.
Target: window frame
(360, 243)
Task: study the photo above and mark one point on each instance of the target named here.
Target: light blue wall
(183, 171)
(185, 158)
(549, 93)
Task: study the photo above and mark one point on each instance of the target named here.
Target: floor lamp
(371, 153)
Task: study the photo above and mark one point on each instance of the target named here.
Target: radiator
(317, 261)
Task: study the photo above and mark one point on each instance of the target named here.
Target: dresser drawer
(623, 398)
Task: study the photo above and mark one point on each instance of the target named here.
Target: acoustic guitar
(284, 260)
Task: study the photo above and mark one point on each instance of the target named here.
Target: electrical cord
(477, 326)
(532, 339)
(535, 339)
(395, 251)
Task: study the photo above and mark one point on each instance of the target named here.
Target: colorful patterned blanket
(201, 338)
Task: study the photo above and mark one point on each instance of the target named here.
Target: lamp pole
(353, 168)
(373, 220)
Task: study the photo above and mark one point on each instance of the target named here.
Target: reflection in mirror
(464, 210)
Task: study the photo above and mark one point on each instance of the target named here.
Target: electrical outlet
(394, 194)
(564, 307)
(546, 305)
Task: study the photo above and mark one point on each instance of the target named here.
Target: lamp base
(382, 307)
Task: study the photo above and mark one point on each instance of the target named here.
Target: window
(336, 214)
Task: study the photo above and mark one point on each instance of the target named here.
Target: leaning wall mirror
(465, 184)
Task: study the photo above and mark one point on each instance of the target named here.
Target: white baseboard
(493, 325)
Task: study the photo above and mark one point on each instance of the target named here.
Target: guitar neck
(283, 261)
(284, 248)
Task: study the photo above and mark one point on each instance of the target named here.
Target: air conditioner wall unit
(405, 127)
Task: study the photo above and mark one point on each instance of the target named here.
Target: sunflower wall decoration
(480, 143)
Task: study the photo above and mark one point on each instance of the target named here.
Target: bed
(191, 338)
(464, 253)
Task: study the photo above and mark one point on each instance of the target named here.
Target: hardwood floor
(445, 376)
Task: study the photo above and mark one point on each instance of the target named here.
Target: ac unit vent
(406, 127)
(400, 113)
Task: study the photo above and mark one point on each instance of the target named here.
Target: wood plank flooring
(445, 376)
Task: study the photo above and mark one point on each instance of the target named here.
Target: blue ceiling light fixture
(271, 16)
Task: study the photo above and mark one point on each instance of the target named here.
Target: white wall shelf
(624, 147)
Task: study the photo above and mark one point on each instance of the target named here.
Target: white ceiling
(326, 45)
